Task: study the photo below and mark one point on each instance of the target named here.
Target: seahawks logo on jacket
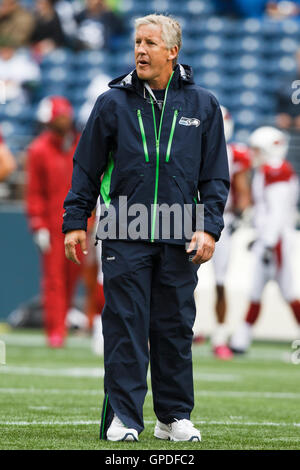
(184, 121)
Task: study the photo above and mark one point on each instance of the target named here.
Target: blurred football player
(275, 195)
(238, 200)
(50, 165)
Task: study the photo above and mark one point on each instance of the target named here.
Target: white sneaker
(117, 431)
(241, 339)
(179, 430)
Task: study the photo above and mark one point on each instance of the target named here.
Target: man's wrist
(211, 234)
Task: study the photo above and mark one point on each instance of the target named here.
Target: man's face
(62, 124)
(151, 54)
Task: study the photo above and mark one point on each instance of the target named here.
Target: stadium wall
(19, 273)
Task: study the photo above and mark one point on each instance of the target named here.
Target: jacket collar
(183, 74)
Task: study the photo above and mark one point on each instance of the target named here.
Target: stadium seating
(241, 61)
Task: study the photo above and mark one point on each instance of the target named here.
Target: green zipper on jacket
(139, 115)
(157, 139)
(171, 135)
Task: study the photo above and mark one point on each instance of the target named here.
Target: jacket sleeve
(36, 197)
(90, 160)
(213, 181)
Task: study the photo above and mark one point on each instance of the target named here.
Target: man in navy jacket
(157, 141)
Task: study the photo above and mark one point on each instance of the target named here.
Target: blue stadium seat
(246, 45)
(141, 8)
(281, 65)
(16, 112)
(247, 27)
(247, 118)
(84, 77)
(50, 89)
(214, 43)
(214, 25)
(192, 47)
(285, 45)
(58, 57)
(246, 63)
(210, 62)
(250, 100)
(57, 74)
(199, 7)
(247, 81)
(76, 96)
(11, 128)
(275, 28)
(211, 79)
(87, 58)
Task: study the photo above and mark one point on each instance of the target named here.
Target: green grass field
(51, 399)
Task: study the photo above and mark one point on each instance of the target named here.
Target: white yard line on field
(50, 391)
(247, 394)
(77, 372)
(32, 340)
(198, 393)
(97, 372)
(49, 423)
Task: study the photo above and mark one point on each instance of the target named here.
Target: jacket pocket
(188, 189)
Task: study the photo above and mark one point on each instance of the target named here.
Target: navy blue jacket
(185, 164)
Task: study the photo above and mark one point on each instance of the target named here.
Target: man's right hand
(72, 238)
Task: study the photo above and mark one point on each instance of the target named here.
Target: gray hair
(171, 29)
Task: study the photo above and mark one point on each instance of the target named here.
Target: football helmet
(269, 146)
(53, 106)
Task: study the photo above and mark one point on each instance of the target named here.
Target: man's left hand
(204, 243)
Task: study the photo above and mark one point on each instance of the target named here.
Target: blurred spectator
(50, 165)
(16, 22)
(7, 161)
(66, 13)
(288, 113)
(19, 72)
(48, 33)
(98, 26)
(97, 86)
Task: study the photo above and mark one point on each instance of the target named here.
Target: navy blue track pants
(149, 314)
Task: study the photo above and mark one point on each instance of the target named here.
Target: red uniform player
(50, 165)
